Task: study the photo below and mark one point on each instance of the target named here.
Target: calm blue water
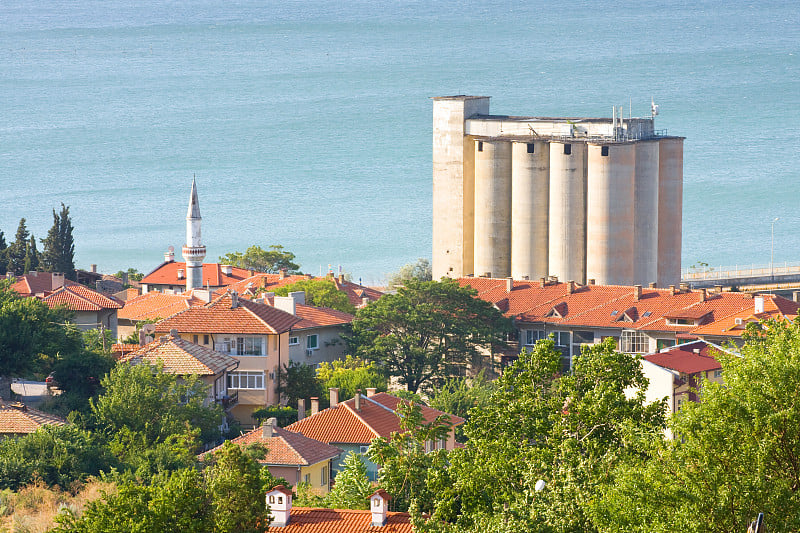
(309, 123)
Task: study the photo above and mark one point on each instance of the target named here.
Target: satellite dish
(171, 249)
(149, 329)
(653, 107)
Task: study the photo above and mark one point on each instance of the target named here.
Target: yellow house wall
(315, 472)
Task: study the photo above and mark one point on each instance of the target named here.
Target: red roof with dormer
(265, 282)
(286, 448)
(313, 520)
(775, 308)
(41, 283)
(79, 298)
(689, 358)
(153, 305)
(356, 293)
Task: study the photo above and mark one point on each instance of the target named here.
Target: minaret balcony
(195, 253)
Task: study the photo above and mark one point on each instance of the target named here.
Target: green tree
(569, 430)
(59, 246)
(320, 292)
(735, 453)
(132, 273)
(428, 331)
(298, 381)
(234, 486)
(78, 374)
(420, 271)
(31, 256)
(404, 459)
(256, 258)
(351, 375)
(3, 253)
(458, 396)
(16, 252)
(352, 488)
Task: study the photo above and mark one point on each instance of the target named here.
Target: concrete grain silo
(670, 195)
(492, 207)
(645, 214)
(567, 223)
(530, 200)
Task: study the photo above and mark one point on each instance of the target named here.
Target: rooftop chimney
(268, 427)
(357, 399)
(703, 295)
(684, 286)
(718, 289)
(180, 273)
(542, 282)
(378, 505)
(234, 299)
(282, 274)
(93, 268)
(364, 301)
(509, 284)
(169, 255)
(672, 289)
(758, 304)
(341, 278)
(334, 392)
(56, 280)
(285, 303)
(301, 409)
(637, 293)
(591, 281)
(487, 274)
(279, 500)
(653, 285)
(314, 405)
(226, 269)
(570, 286)
(796, 296)
(371, 391)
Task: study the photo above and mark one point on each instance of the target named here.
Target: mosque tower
(193, 251)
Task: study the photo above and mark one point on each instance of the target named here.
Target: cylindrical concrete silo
(645, 214)
(670, 201)
(530, 197)
(609, 213)
(492, 208)
(567, 221)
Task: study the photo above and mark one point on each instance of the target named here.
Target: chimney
(371, 391)
(684, 287)
(718, 289)
(796, 296)
(487, 274)
(672, 289)
(357, 399)
(234, 299)
(202, 294)
(758, 304)
(341, 278)
(93, 268)
(314, 405)
(282, 274)
(301, 409)
(180, 274)
(703, 295)
(509, 284)
(637, 293)
(334, 392)
(570, 286)
(542, 282)
(364, 301)
(591, 281)
(299, 297)
(226, 269)
(57, 280)
(285, 303)
(653, 285)
(268, 427)
(169, 255)
(279, 500)
(378, 505)
(125, 278)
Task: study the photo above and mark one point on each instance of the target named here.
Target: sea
(308, 123)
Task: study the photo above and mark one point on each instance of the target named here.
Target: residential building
(17, 419)
(377, 519)
(183, 358)
(262, 282)
(155, 305)
(38, 283)
(351, 425)
(255, 334)
(731, 327)
(92, 309)
(359, 295)
(292, 456)
(171, 276)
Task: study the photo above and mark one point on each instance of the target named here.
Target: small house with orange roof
(153, 306)
(183, 358)
(359, 295)
(292, 456)
(171, 276)
(17, 419)
(731, 327)
(351, 425)
(255, 334)
(38, 284)
(92, 310)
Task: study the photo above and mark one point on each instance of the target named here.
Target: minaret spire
(193, 251)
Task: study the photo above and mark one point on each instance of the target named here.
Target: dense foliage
(458, 396)
(256, 258)
(419, 271)
(427, 332)
(59, 246)
(350, 375)
(320, 292)
(352, 488)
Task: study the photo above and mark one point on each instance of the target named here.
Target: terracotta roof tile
(682, 358)
(261, 280)
(315, 317)
(287, 447)
(310, 520)
(80, 298)
(182, 357)
(355, 292)
(775, 307)
(19, 419)
(219, 316)
(153, 305)
(167, 274)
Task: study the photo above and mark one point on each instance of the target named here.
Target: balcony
(229, 400)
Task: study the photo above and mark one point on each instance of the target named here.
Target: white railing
(739, 271)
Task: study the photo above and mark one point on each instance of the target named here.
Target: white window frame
(323, 476)
(294, 341)
(533, 335)
(246, 380)
(633, 341)
(316, 342)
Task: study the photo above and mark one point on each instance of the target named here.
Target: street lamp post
(772, 251)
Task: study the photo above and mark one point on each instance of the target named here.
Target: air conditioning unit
(309, 352)
(737, 321)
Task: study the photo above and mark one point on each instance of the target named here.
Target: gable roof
(376, 418)
(286, 448)
(181, 357)
(167, 274)
(222, 316)
(154, 304)
(317, 317)
(355, 292)
(775, 307)
(688, 358)
(19, 419)
(312, 520)
(266, 281)
(35, 283)
(80, 298)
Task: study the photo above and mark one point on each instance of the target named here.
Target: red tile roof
(19, 419)
(316, 317)
(219, 316)
(286, 448)
(268, 282)
(683, 358)
(37, 283)
(310, 520)
(355, 292)
(182, 357)
(153, 305)
(167, 274)
(376, 418)
(775, 307)
(80, 298)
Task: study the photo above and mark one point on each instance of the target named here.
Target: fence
(739, 271)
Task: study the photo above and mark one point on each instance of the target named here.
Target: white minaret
(193, 251)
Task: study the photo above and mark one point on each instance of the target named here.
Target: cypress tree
(17, 251)
(59, 248)
(31, 256)
(3, 250)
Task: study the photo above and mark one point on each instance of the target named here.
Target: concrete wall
(609, 213)
(330, 343)
(492, 208)
(670, 212)
(530, 199)
(645, 214)
(567, 220)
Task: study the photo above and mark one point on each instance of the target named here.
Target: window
(241, 346)
(717, 374)
(561, 338)
(533, 335)
(307, 479)
(680, 322)
(246, 380)
(323, 476)
(531, 148)
(294, 341)
(194, 338)
(363, 450)
(634, 342)
(580, 338)
(480, 146)
(205, 339)
(311, 342)
(271, 498)
(664, 343)
(604, 151)
(567, 149)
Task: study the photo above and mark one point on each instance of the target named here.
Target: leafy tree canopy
(352, 488)
(59, 246)
(351, 375)
(298, 381)
(459, 396)
(427, 332)
(256, 258)
(420, 271)
(132, 273)
(320, 292)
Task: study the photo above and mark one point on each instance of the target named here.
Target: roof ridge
(246, 307)
(303, 460)
(361, 419)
